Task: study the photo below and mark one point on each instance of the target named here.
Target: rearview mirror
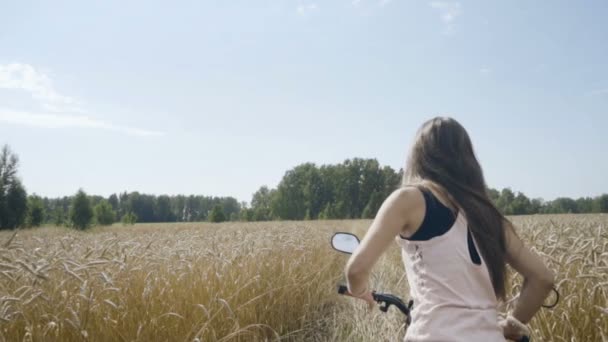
(345, 242)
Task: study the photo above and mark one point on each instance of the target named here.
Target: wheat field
(253, 282)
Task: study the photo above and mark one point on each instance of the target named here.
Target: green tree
(520, 205)
(600, 204)
(563, 205)
(129, 218)
(372, 207)
(343, 190)
(123, 204)
(35, 211)
(584, 205)
(246, 214)
(163, 209)
(58, 216)
(230, 206)
(328, 213)
(261, 204)
(144, 206)
(81, 213)
(536, 206)
(217, 214)
(504, 201)
(289, 203)
(370, 183)
(16, 206)
(13, 198)
(113, 200)
(104, 214)
(392, 180)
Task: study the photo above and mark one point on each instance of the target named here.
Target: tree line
(356, 189)
(130, 207)
(350, 190)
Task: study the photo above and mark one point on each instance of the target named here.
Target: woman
(455, 245)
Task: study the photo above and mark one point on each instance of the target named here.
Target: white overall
(453, 297)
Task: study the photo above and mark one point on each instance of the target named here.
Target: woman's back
(450, 284)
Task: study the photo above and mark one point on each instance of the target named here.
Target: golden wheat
(252, 282)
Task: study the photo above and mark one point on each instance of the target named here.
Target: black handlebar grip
(342, 289)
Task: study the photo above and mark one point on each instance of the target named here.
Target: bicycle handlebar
(386, 300)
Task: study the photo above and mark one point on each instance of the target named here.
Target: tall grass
(251, 282)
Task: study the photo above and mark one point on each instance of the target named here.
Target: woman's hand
(512, 331)
(368, 298)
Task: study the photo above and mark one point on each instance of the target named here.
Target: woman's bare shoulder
(408, 195)
(409, 202)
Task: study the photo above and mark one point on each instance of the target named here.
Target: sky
(221, 97)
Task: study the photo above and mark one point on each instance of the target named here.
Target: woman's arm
(395, 215)
(538, 279)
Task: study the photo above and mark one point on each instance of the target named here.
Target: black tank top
(438, 218)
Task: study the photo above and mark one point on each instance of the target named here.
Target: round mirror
(345, 242)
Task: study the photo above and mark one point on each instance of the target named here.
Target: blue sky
(221, 97)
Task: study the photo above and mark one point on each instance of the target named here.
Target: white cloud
(51, 120)
(449, 11)
(598, 92)
(305, 9)
(57, 110)
(25, 77)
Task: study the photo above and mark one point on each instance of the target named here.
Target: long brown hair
(443, 154)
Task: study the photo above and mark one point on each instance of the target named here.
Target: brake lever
(384, 306)
(386, 300)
